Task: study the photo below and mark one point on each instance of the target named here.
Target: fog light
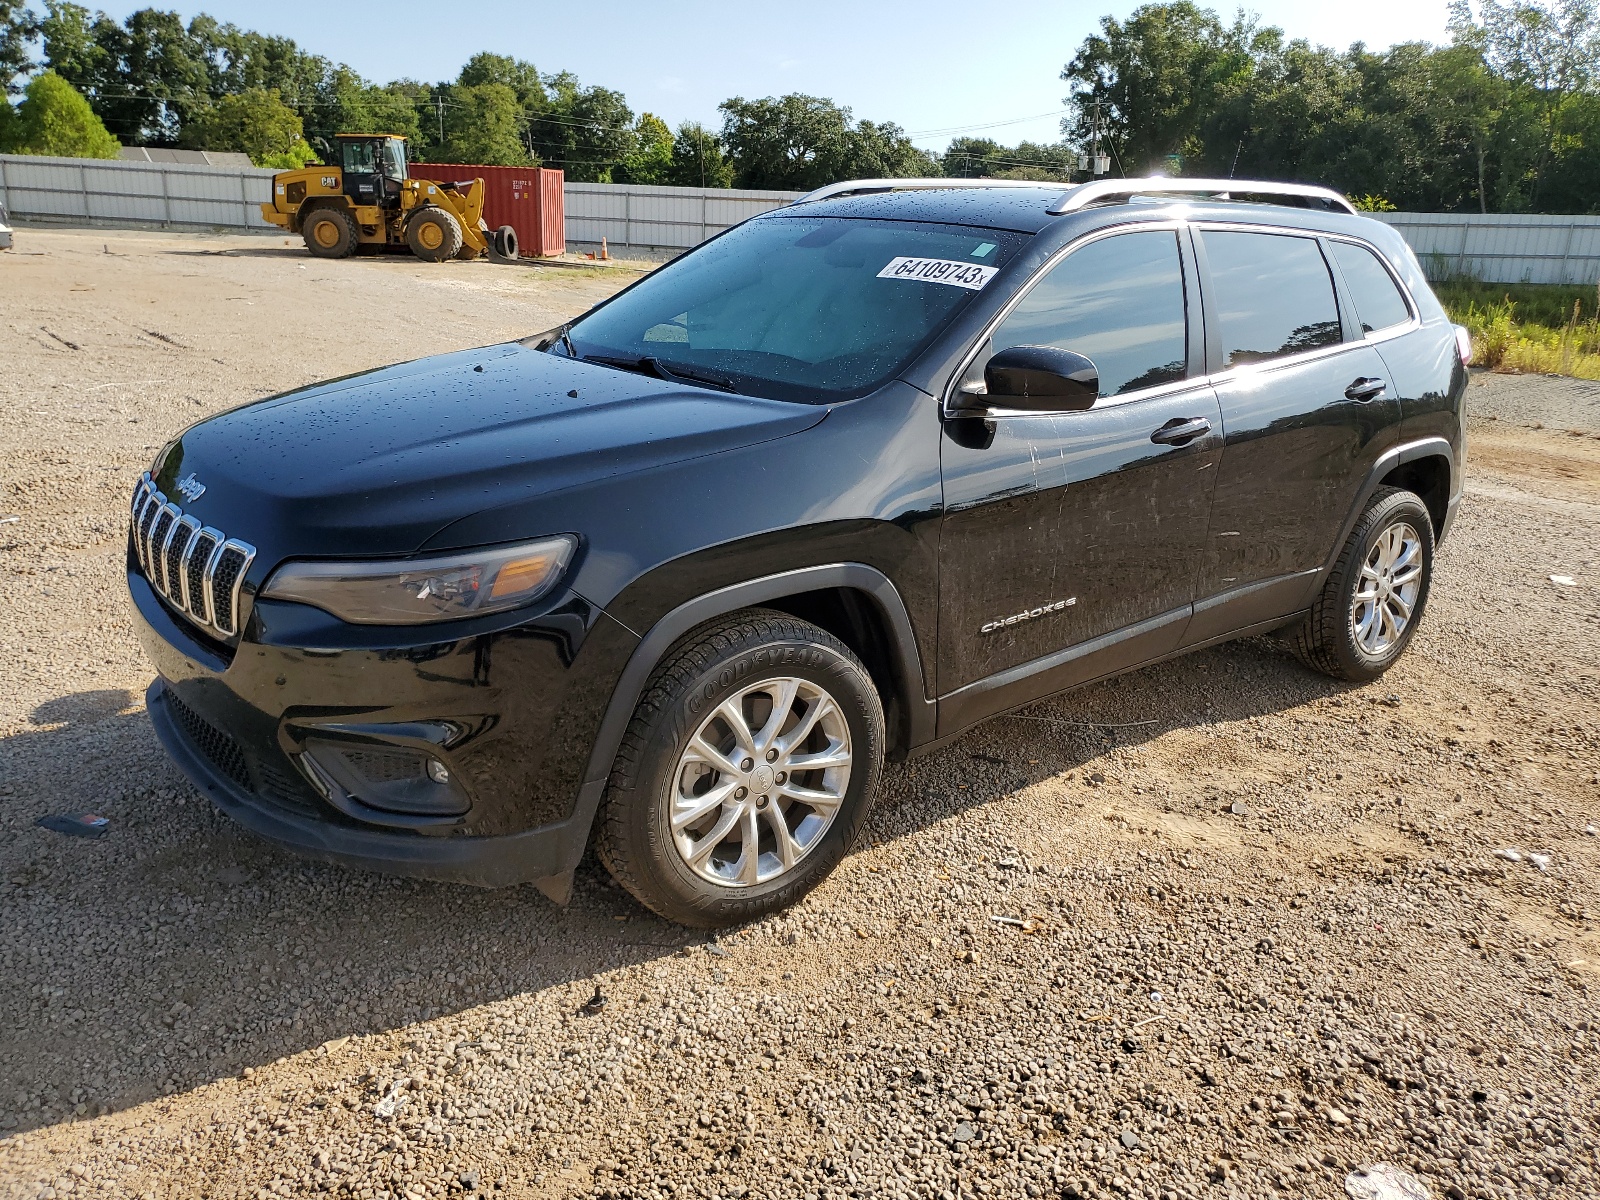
(390, 778)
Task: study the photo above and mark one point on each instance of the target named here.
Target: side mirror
(1041, 379)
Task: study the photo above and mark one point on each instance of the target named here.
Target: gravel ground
(1218, 928)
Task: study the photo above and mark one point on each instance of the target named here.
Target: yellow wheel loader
(370, 199)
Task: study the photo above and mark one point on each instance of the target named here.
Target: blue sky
(937, 67)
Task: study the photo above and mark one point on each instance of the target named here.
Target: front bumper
(549, 851)
(523, 703)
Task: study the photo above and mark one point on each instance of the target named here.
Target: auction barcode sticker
(939, 270)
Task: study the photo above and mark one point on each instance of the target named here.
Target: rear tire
(699, 843)
(1374, 597)
(434, 235)
(329, 233)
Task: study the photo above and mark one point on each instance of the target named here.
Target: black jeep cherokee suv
(840, 483)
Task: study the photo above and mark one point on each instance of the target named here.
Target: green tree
(18, 28)
(520, 76)
(698, 159)
(1154, 78)
(985, 157)
(255, 122)
(346, 103)
(54, 119)
(482, 124)
(587, 132)
(143, 78)
(801, 142)
(1548, 55)
(650, 161)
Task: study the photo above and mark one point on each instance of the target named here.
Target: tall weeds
(1524, 331)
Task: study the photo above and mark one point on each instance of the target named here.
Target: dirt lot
(1218, 928)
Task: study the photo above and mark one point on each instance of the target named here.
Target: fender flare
(1395, 456)
(648, 654)
(652, 648)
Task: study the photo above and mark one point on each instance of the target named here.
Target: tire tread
(697, 651)
(1317, 639)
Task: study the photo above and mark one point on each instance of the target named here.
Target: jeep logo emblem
(190, 488)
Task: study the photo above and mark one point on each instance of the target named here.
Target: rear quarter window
(1373, 291)
(1272, 293)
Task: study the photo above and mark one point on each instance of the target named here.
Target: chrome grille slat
(166, 520)
(177, 552)
(197, 569)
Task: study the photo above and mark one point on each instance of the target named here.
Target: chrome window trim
(1050, 264)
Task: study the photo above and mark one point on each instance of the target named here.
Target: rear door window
(1272, 294)
(1373, 291)
(1117, 301)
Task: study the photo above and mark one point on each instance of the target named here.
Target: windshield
(813, 309)
(394, 158)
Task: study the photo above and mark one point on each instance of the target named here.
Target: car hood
(377, 463)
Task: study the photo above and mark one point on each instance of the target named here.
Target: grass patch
(1537, 329)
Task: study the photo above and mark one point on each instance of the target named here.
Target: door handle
(1181, 430)
(1364, 389)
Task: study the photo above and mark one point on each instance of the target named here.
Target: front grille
(197, 569)
(222, 751)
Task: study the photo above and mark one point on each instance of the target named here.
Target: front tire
(1373, 599)
(746, 774)
(434, 235)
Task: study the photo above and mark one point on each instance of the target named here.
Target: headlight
(415, 591)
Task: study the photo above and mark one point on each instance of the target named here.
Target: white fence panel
(655, 219)
(1503, 248)
(114, 192)
(661, 220)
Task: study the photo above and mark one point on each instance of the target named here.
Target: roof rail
(867, 187)
(1100, 190)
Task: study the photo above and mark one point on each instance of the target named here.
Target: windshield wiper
(654, 366)
(689, 375)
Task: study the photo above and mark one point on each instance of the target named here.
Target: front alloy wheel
(747, 771)
(760, 782)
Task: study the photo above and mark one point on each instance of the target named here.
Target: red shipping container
(529, 199)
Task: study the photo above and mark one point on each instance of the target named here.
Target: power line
(989, 125)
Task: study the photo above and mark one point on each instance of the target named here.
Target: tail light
(1464, 345)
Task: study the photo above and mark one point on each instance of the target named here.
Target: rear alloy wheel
(1374, 596)
(329, 233)
(434, 235)
(746, 773)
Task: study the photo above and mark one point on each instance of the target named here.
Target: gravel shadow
(178, 949)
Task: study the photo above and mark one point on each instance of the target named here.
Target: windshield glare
(800, 308)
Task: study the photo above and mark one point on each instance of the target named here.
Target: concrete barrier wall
(662, 221)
